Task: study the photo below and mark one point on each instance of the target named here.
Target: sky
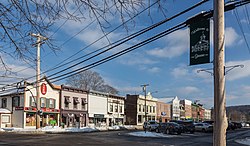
(163, 64)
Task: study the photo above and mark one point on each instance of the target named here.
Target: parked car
(150, 125)
(169, 128)
(186, 125)
(203, 127)
(209, 122)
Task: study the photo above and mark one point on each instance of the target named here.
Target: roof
(4, 111)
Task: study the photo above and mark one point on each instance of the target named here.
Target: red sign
(43, 88)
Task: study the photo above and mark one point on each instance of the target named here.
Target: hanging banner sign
(200, 42)
(43, 88)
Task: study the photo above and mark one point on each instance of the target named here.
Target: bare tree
(19, 18)
(90, 80)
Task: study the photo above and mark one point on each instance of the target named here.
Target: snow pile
(150, 134)
(245, 141)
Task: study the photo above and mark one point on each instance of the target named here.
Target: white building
(105, 109)
(22, 104)
(207, 114)
(175, 109)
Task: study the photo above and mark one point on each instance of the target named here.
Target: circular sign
(43, 88)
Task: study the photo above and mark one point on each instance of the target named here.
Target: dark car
(169, 128)
(186, 125)
(150, 125)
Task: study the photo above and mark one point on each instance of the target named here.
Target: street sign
(200, 42)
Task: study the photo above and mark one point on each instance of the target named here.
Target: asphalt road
(115, 138)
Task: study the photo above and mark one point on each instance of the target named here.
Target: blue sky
(164, 63)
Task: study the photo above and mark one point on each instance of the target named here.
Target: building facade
(116, 113)
(175, 109)
(137, 106)
(186, 109)
(163, 112)
(24, 108)
(74, 107)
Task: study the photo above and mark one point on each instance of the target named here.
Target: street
(120, 138)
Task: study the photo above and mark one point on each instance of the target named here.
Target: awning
(4, 111)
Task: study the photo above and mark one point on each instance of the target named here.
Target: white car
(203, 127)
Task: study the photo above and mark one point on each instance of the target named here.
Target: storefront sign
(200, 42)
(18, 108)
(98, 116)
(43, 88)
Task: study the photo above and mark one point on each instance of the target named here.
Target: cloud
(179, 72)
(231, 37)
(188, 90)
(238, 73)
(176, 44)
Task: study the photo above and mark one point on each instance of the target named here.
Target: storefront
(74, 119)
(98, 120)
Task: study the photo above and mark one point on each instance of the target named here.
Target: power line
(157, 24)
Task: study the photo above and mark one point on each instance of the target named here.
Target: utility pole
(145, 105)
(219, 132)
(40, 38)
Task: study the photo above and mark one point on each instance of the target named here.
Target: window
(66, 101)
(116, 108)
(32, 101)
(52, 103)
(150, 109)
(84, 102)
(139, 108)
(43, 101)
(153, 109)
(111, 107)
(143, 108)
(4, 102)
(5, 119)
(76, 101)
(120, 109)
(16, 101)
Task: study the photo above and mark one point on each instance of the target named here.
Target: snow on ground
(245, 141)
(149, 134)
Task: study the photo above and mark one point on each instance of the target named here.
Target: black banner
(200, 42)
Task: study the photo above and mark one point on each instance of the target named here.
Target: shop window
(32, 101)
(16, 101)
(30, 119)
(5, 119)
(4, 102)
(43, 101)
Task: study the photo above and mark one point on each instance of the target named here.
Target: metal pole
(219, 137)
(38, 43)
(145, 94)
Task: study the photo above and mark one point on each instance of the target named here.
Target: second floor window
(52, 103)
(111, 107)
(84, 103)
(16, 101)
(116, 108)
(120, 109)
(4, 102)
(76, 102)
(32, 101)
(66, 101)
(43, 102)
(139, 108)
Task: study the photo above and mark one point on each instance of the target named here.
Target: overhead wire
(174, 16)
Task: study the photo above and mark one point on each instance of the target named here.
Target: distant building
(207, 114)
(198, 112)
(186, 110)
(175, 109)
(135, 109)
(163, 111)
